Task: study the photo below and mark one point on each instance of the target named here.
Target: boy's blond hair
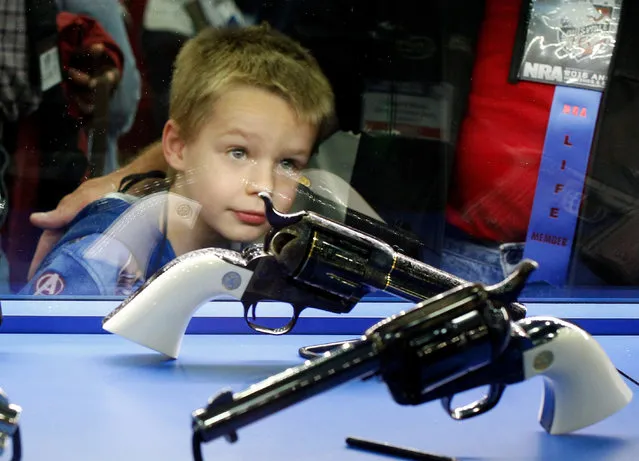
(218, 59)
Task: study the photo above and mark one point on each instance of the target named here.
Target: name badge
(49, 63)
(569, 42)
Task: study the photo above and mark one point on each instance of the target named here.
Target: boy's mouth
(250, 217)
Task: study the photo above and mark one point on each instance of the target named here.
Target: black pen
(388, 449)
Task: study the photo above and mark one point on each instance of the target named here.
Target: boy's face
(253, 142)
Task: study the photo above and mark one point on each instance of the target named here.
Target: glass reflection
(438, 128)
(247, 105)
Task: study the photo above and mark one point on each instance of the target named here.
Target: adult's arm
(54, 221)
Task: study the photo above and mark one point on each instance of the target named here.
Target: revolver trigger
(297, 310)
(249, 307)
(476, 408)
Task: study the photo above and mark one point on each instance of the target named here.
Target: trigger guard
(273, 331)
(476, 408)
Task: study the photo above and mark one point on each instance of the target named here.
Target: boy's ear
(173, 145)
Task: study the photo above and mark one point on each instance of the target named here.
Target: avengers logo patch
(49, 283)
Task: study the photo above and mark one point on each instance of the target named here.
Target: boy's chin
(246, 234)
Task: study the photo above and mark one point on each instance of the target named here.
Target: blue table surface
(99, 397)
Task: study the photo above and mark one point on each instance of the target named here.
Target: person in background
(497, 158)
(44, 113)
(125, 97)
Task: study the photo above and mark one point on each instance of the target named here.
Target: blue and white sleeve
(70, 271)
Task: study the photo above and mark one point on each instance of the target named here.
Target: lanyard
(569, 45)
(560, 182)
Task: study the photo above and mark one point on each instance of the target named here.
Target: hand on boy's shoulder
(70, 205)
(99, 212)
(54, 221)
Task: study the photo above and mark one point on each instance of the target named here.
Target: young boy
(247, 108)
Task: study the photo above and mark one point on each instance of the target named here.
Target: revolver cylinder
(438, 341)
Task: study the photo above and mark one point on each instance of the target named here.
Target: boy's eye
(237, 153)
(289, 165)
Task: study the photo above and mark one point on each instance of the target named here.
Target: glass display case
(287, 197)
(478, 133)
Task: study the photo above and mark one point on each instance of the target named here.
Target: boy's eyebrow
(240, 132)
(292, 153)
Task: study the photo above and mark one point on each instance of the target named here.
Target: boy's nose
(260, 180)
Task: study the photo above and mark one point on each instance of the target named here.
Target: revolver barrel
(227, 412)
